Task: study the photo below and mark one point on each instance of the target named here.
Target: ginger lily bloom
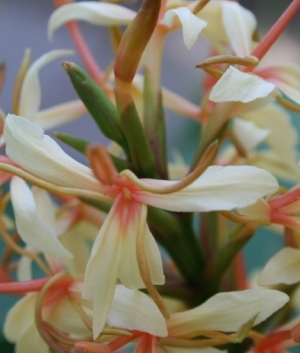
(125, 248)
(57, 307)
(27, 102)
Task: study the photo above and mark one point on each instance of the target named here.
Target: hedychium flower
(258, 82)
(27, 94)
(124, 248)
(53, 315)
(224, 318)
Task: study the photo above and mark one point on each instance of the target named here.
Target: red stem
(272, 340)
(286, 199)
(273, 34)
(240, 272)
(85, 53)
(34, 285)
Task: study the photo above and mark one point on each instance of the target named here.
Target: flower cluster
(131, 251)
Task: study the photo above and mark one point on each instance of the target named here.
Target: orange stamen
(102, 165)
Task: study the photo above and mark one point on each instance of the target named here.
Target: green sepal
(139, 149)
(103, 111)
(155, 129)
(80, 145)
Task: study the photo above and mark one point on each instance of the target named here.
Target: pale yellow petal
(248, 134)
(60, 114)
(282, 268)
(96, 13)
(227, 312)
(218, 188)
(191, 25)
(30, 97)
(237, 86)
(129, 310)
(39, 154)
(30, 227)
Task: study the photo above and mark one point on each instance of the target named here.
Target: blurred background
(23, 24)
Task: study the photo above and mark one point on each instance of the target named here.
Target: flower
(130, 244)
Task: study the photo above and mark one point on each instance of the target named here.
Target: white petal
(283, 137)
(37, 153)
(286, 77)
(191, 24)
(30, 96)
(102, 270)
(227, 312)
(60, 114)
(30, 227)
(237, 86)
(154, 260)
(218, 188)
(64, 317)
(24, 270)
(239, 25)
(19, 317)
(248, 134)
(129, 310)
(282, 268)
(92, 12)
(134, 214)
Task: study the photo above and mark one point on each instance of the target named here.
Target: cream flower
(125, 239)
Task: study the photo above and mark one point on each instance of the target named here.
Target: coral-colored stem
(122, 341)
(31, 286)
(286, 199)
(240, 272)
(270, 38)
(272, 340)
(85, 53)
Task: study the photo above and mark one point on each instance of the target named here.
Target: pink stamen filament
(287, 221)
(288, 198)
(122, 341)
(273, 34)
(82, 48)
(32, 286)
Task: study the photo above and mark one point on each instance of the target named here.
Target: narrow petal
(19, 317)
(37, 153)
(102, 270)
(283, 137)
(286, 77)
(60, 114)
(30, 97)
(30, 227)
(154, 260)
(132, 216)
(282, 268)
(129, 309)
(64, 317)
(248, 134)
(239, 24)
(227, 312)
(191, 24)
(218, 188)
(96, 13)
(237, 86)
